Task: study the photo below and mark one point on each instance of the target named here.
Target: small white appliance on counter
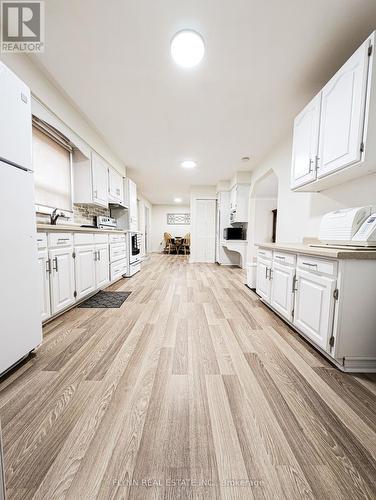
(20, 310)
(349, 227)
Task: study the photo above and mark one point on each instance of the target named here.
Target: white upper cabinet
(99, 180)
(334, 136)
(342, 114)
(130, 189)
(115, 187)
(306, 144)
(239, 196)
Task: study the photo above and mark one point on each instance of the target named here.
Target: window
(52, 168)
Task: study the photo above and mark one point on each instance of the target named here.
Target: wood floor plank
(192, 389)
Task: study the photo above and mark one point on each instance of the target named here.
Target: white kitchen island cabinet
(326, 295)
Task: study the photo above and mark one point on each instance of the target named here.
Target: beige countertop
(331, 253)
(67, 228)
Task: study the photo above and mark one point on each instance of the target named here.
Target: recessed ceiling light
(188, 164)
(187, 48)
(178, 200)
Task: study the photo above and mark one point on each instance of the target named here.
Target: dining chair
(186, 243)
(169, 243)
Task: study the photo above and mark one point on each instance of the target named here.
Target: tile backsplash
(82, 214)
(85, 214)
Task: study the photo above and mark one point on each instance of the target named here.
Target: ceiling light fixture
(246, 158)
(188, 164)
(187, 48)
(178, 200)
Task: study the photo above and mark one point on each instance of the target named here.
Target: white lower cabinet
(71, 267)
(263, 287)
(85, 270)
(314, 306)
(282, 298)
(44, 284)
(102, 266)
(62, 278)
(91, 268)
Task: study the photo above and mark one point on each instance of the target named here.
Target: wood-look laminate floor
(192, 389)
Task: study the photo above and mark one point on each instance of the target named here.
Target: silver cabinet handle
(310, 165)
(48, 266)
(270, 273)
(317, 159)
(280, 257)
(55, 267)
(309, 264)
(63, 239)
(99, 255)
(266, 273)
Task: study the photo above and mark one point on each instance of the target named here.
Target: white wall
(42, 88)
(299, 214)
(159, 224)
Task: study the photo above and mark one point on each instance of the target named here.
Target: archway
(262, 227)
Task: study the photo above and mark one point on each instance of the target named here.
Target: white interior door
(342, 114)
(314, 306)
(102, 266)
(44, 284)
(263, 283)
(306, 143)
(205, 230)
(282, 294)
(100, 180)
(84, 270)
(62, 279)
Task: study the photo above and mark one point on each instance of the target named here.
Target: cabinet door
(62, 279)
(100, 180)
(116, 190)
(314, 306)
(306, 143)
(133, 208)
(263, 285)
(85, 270)
(342, 114)
(282, 289)
(44, 284)
(102, 266)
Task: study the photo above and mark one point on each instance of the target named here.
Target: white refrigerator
(20, 310)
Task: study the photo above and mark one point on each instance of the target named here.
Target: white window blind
(52, 168)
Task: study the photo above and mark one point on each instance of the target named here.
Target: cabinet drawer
(116, 238)
(117, 269)
(318, 265)
(41, 241)
(285, 258)
(56, 240)
(117, 252)
(264, 253)
(100, 238)
(83, 238)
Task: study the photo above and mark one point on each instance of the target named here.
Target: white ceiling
(264, 60)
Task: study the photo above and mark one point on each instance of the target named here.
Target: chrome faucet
(54, 216)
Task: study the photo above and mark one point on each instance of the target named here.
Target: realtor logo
(22, 26)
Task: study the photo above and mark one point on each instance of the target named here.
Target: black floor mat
(105, 300)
